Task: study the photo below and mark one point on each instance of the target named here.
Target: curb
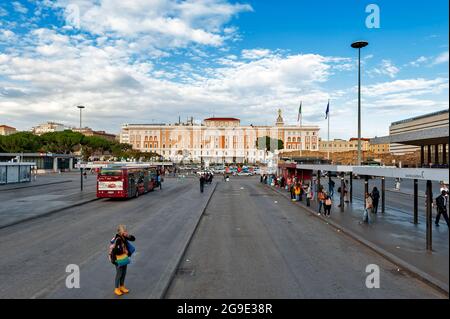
(164, 289)
(29, 186)
(410, 269)
(49, 213)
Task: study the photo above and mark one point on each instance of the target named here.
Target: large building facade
(217, 140)
(414, 125)
(339, 145)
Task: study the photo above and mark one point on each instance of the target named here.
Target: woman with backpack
(327, 205)
(120, 253)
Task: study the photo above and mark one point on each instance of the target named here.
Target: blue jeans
(320, 206)
(366, 217)
(331, 191)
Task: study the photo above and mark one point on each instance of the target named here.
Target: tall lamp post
(81, 107)
(358, 45)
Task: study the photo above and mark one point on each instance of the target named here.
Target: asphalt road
(253, 243)
(35, 253)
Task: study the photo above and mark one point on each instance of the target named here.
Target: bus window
(110, 172)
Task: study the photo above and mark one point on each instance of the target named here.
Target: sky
(153, 61)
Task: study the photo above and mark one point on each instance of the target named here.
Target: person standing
(308, 195)
(331, 187)
(292, 191)
(202, 183)
(120, 252)
(327, 206)
(441, 204)
(346, 192)
(321, 197)
(297, 192)
(367, 208)
(375, 199)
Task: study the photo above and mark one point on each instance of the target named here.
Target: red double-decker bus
(125, 181)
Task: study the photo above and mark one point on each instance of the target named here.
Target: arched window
(289, 139)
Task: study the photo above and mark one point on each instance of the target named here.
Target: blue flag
(328, 110)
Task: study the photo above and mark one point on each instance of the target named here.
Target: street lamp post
(81, 107)
(358, 45)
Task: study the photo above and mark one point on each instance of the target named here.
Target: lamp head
(359, 44)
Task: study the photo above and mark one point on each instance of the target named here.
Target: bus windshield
(110, 172)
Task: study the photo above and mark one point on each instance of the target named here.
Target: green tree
(21, 142)
(61, 142)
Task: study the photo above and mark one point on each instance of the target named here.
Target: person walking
(159, 179)
(331, 187)
(327, 206)
(375, 199)
(202, 183)
(441, 203)
(321, 197)
(120, 253)
(367, 208)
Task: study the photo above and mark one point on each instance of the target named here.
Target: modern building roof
(431, 136)
(419, 117)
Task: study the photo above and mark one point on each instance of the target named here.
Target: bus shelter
(426, 174)
(15, 172)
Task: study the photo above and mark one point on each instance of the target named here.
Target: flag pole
(329, 134)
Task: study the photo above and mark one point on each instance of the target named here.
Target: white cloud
(255, 54)
(409, 85)
(419, 61)
(3, 12)
(18, 7)
(441, 58)
(386, 67)
(161, 23)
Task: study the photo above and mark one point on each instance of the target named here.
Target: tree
(21, 142)
(61, 142)
(271, 144)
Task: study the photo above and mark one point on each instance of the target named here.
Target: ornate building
(217, 140)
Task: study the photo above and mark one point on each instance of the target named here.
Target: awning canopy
(432, 136)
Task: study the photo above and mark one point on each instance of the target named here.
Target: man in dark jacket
(375, 198)
(202, 183)
(441, 207)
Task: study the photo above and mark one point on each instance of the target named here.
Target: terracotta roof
(362, 139)
(6, 126)
(222, 119)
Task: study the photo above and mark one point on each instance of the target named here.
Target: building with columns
(217, 139)
(427, 134)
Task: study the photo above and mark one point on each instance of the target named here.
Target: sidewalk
(41, 180)
(16, 210)
(393, 235)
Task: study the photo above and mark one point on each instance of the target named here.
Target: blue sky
(155, 60)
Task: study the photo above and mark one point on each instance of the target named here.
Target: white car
(244, 174)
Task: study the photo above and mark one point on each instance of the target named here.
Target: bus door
(147, 185)
(131, 185)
